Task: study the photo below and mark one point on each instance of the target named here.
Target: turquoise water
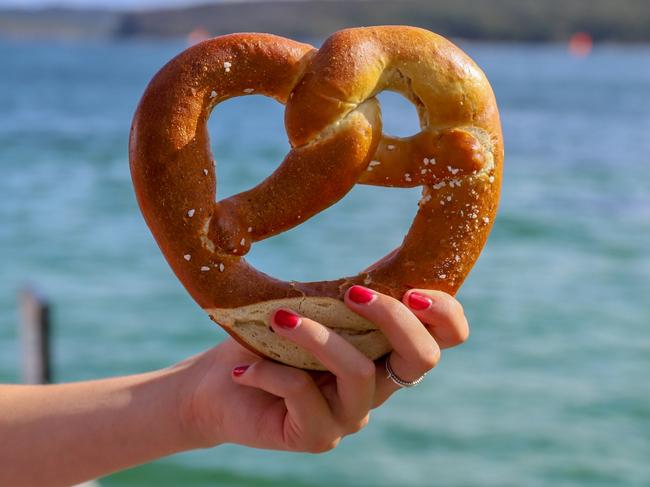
(553, 387)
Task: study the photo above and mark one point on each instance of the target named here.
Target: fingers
(313, 424)
(417, 328)
(308, 412)
(415, 351)
(441, 312)
(354, 372)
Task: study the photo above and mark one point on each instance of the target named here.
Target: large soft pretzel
(334, 126)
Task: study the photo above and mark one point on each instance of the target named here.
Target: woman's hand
(237, 397)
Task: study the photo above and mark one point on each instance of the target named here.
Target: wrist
(200, 426)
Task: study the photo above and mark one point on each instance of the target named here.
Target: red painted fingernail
(286, 319)
(361, 295)
(419, 301)
(239, 370)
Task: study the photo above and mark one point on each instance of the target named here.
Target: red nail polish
(361, 295)
(239, 370)
(286, 319)
(419, 301)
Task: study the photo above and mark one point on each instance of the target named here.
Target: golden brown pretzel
(334, 127)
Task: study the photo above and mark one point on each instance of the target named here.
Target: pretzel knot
(333, 122)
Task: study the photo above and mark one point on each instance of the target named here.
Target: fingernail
(419, 301)
(361, 295)
(286, 319)
(239, 370)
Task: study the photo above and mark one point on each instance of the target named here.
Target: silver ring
(401, 382)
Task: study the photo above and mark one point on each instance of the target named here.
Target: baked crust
(334, 126)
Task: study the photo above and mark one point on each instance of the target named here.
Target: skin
(67, 433)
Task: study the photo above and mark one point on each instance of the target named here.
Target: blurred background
(553, 387)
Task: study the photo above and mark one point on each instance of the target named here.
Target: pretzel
(333, 122)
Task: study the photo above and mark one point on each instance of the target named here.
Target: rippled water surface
(552, 389)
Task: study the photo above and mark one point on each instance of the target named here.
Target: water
(551, 389)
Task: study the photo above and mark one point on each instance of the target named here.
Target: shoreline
(526, 21)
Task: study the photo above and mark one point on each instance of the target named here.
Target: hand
(237, 397)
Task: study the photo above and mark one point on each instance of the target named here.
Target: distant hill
(58, 23)
(512, 20)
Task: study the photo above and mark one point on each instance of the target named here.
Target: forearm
(67, 433)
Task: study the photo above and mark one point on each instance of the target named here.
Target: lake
(553, 386)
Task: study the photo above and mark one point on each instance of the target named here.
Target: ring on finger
(399, 381)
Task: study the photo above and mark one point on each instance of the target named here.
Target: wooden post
(35, 337)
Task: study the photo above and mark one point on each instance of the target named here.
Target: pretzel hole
(364, 226)
(247, 140)
(399, 115)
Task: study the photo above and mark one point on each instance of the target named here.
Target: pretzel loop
(346, 72)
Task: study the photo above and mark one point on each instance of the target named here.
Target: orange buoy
(197, 35)
(580, 44)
